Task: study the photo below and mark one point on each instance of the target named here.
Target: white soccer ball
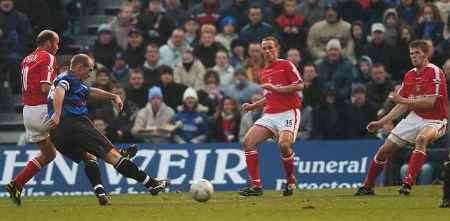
(202, 190)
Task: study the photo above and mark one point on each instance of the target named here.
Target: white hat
(190, 92)
(334, 43)
(378, 27)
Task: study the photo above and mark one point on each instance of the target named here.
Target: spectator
(191, 27)
(15, 38)
(292, 26)
(97, 66)
(379, 87)
(151, 64)
(378, 50)
(136, 89)
(359, 39)
(408, 11)
(444, 8)
(174, 11)
(362, 111)
(351, 11)
(209, 28)
(374, 14)
(306, 123)
(249, 118)
(103, 80)
(254, 62)
(135, 53)
(312, 10)
(223, 68)
(152, 118)
(363, 70)
(401, 62)
(391, 24)
(190, 71)
(256, 29)
(312, 88)
(206, 12)
(238, 53)
(192, 118)
(241, 89)
(272, 9)
(171, 52)
(155, 23)
(336, 71)
(225, 123)
(120, 70)
(329, 120)
(172, 91)
(102, 126)
(294, 56)
(122, 25)
(331, 27)
(430, 25)
(122, 121)
(105, 47)
(211, 96)
(207, 48)
(238, 10)
(228, 33)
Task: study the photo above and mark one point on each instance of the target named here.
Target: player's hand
(119, 102)
(270, 87)
(373, 126)
(246, 107)
(396, 98)
(53, 121)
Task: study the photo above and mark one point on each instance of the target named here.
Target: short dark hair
(164, 69)
(310, 65)
(420, 44)
(271, 38)
(379, 65)
(45, 36)
(211, 73)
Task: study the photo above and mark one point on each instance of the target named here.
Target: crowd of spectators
(184, 67)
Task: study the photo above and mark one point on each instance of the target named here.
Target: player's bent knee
(422, 141)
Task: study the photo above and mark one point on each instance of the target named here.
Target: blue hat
(154, 92)
(227, 20)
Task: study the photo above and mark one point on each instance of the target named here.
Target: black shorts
(77, 135)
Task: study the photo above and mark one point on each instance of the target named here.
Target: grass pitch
(305, 205)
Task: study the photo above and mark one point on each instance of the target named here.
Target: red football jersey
(430, 81)
(37, 68)
(280, 73)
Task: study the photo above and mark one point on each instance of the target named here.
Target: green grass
(304, 206)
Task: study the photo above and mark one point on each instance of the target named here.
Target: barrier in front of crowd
(319, 164)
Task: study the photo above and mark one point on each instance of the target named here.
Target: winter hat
(154, 92)
(366, 59)
(227, 20)
(190, 92)
(104, 28)
(334, 43)
(378, 27)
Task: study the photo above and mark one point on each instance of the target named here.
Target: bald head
(48, 40)
(81, 65)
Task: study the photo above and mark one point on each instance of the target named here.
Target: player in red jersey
(424, 94)
(281, 82)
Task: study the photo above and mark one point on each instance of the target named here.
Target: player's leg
(92, 171)
(446, 187)
(285, 142)
(256, 135)
(418, 157)
(376, 166)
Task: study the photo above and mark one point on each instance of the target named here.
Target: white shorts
(35, 119)
(407, 129)
(284, 121)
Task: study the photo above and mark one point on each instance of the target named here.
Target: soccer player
(75, 135)
(281, 82)
(424, 94)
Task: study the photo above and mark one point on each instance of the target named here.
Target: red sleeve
(293, 74)
(46, 68)
(433, 83)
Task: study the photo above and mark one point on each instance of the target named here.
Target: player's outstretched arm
(395, 113)
(416, 102)
(284, 89)
(251, 106)
(102, 94)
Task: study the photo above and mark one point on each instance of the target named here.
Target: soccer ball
(202, 190)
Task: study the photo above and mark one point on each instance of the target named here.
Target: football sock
(446, 186)
(130, 170)
(29, 171)
(414, 166)
(93, 173)
(251, 158)
(288, 164)
(375, 169)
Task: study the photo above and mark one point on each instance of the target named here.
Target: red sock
(32, 168)
(288, 164)
(374, 170)
(251, 158)
(415, 164)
